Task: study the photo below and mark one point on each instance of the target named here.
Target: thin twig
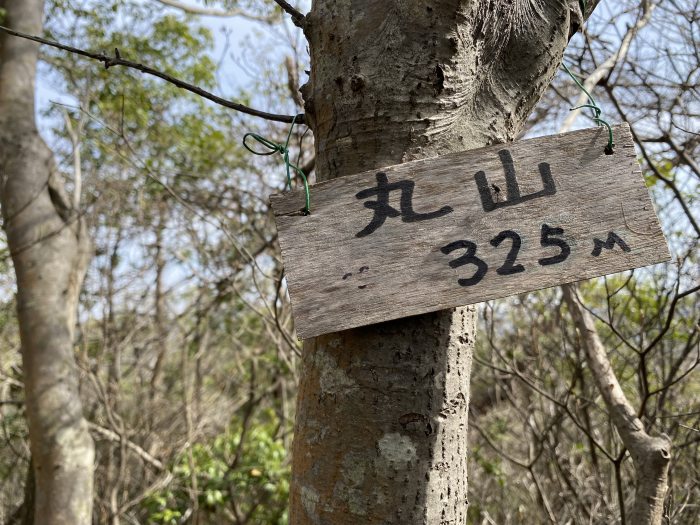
(117, 60)
(669, 317)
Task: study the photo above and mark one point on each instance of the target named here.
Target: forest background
(185, 344)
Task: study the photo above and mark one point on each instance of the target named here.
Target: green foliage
(492, 466)
(664, 167)
(532, 335)
(241, 471)
(165, 127)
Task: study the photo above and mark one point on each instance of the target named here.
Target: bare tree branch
(209, 11)
(293, 81)
(606, 67)
(116, 438)
(669, 317)
(117, 60)
(309, 166)
(298, 18)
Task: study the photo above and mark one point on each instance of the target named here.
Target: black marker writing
(547, 239)
(382, 209)
(508, 267)
(469, 257)
(512, 189)
(609, 244)
(550, 237)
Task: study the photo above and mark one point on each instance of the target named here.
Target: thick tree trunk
(381, 423)
(49, 249)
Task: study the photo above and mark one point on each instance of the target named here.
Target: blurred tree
(48, 241)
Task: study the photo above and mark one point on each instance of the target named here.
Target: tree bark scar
(439, 82)
(357, 82)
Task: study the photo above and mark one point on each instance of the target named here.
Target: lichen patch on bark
(397, 449)
(350, 488)
(310, 499)
(332, 379)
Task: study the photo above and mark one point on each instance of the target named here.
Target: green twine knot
(283, 149)
(609, 149)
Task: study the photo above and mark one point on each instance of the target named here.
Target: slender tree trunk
(381, 423)
(651, 455)
(115, 462)
(50, 251)
(160, 304)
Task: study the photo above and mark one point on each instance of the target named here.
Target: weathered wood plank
(346, 267)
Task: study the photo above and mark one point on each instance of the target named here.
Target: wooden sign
(464, 228)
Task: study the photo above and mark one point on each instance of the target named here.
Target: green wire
(273, 148)
(593, 106)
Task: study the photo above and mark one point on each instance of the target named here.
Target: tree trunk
(381, 429)
(651, 455)
(161, 321)
(49, 248)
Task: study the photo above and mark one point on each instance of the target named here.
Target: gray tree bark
(381, 428)
(50, 251)
(651, 455)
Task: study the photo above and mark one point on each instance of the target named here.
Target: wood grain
(338, 280)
